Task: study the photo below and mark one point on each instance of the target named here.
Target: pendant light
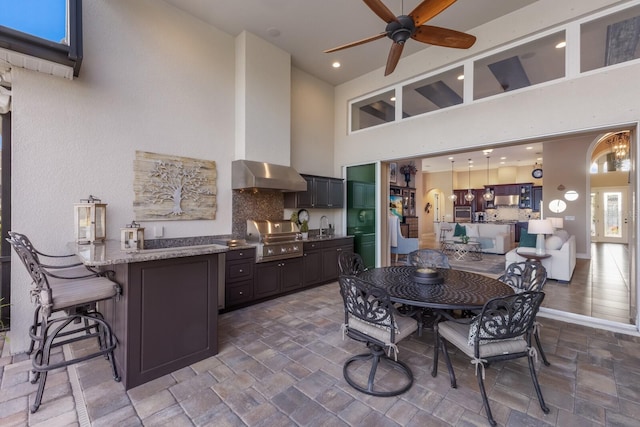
(469, 196)
(453, 197)
(488, 195)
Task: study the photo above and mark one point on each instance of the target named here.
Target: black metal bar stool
(76, 296)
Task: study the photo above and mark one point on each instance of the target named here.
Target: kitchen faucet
(324, 224)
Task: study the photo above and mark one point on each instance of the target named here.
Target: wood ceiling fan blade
(394, 57)
(357, 43)
(428, 9)
(381, 10)
(444, 37)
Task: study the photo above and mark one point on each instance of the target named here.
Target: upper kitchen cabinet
(525, 196)
(536, 197)
(322, 192)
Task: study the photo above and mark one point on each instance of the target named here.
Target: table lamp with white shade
(557, 223)
(540, 227)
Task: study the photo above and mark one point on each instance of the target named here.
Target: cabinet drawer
(239, 270)
(237, 254)
(238, 293)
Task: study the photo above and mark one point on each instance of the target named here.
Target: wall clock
(303, 215)
(537, 173)
(557, 206)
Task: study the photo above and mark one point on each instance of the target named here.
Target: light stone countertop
(110, 253)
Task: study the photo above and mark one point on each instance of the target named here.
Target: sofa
(493, 238)
(562, 248)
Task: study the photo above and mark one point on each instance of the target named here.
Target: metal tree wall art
(171, 188)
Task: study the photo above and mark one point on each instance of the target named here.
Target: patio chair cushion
(458, 335)
(405, 326)
(82, 291)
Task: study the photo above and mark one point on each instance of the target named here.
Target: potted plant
(304, 229)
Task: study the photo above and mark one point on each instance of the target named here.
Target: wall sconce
(132, 237)
(90, 220)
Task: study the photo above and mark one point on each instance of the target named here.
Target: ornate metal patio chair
(527, 276)
(428, 258)
(370, 317)
(77, 298)
(350, 263)
(502, 331)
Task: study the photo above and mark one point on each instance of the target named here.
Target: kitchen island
(167, 315)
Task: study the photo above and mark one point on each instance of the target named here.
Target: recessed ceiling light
(529, 148)
(502, 163)
(561, 45)
(336, 64)
(392, 99)
(503, 158)
(485, 152)
(539, 158)
(461, 77)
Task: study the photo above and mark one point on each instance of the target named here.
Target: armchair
(403, 245)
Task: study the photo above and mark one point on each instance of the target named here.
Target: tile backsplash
(262, 204)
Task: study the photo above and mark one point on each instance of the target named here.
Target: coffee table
(461, 251)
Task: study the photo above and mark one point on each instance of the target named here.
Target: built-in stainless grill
(274, 239)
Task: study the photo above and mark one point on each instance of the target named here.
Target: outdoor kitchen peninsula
(167, 315)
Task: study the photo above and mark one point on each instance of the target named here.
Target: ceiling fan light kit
(400, 28)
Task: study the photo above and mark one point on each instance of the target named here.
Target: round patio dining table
(460, 290)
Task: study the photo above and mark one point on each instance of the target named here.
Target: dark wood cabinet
(412, 226)
(312, 263)
(322, 192)
(525, 190)
(277, 277)
(361, 195)
(167, 316)
(239, 276)
(536, 198)
(321, 259)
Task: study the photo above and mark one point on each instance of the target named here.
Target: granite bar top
(110, 253)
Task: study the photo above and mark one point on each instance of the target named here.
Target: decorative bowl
(427, 276)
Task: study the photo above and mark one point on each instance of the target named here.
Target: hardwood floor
(599, 287)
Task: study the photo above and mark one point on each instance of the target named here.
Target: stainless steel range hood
(250, 174)
(512, 200)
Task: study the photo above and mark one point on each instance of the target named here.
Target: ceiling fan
(400, 28)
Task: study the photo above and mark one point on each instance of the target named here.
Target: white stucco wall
(152, 79)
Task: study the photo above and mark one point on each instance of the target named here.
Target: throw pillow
(527, 240)
(563, 234)
(472, 230)
(553, 243)
(460, 231)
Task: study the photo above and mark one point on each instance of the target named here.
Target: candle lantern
(90, 220)
(132, 237)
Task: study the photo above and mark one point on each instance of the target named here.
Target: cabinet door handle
(241, 271)
(241, 293)
(241, 254)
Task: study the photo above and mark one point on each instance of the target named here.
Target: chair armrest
(502, 243)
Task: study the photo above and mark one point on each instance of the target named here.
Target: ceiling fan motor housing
(401, 30)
